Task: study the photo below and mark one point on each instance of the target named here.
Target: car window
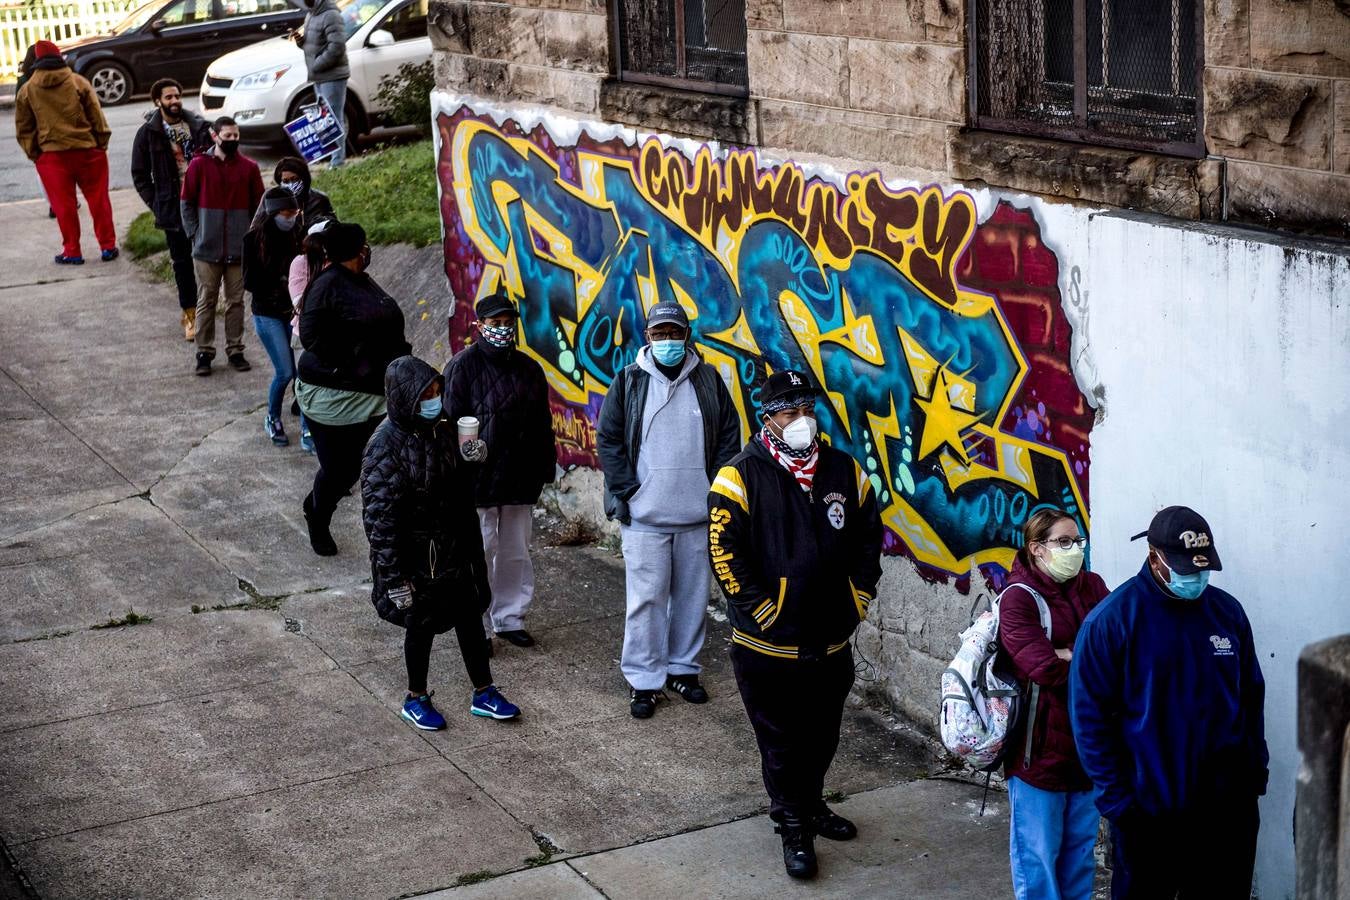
(138, 18)
(356, 13)
(408, 22)
(231, 9)
(187, 12)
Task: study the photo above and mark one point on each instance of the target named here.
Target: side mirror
(158, 25)
(380, 38)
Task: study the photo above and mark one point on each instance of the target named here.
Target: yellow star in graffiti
(942, 422)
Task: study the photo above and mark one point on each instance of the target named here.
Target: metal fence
(21, 26)
(696, 44)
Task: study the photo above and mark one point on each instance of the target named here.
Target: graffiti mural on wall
(866, 287)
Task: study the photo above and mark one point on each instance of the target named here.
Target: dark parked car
(177, 39)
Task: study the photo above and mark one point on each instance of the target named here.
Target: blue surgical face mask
(668, 353)
(285, 223)
(1187, 587)
(430, 409)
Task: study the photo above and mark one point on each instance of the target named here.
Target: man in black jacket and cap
(505, 390)
(160, 154)
(794, 538)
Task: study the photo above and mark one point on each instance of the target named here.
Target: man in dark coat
(164, 145)
(426, 555)
(505, 390)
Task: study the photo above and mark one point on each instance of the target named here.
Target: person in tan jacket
(60, 126)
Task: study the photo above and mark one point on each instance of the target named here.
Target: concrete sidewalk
(244, 741)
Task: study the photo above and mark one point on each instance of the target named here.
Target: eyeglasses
(1064, 543)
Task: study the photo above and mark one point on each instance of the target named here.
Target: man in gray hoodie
(325, 45)
(666, 426)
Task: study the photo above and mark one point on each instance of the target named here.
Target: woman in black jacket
(292, 173)
(269, 247)
(351, 330)
(426, 554)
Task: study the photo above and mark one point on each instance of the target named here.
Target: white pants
(506, 546)
(667, 592)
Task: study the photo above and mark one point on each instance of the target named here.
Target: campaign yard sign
(317, 133)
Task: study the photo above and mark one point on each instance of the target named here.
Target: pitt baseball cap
(667, 313)
(1184, 539)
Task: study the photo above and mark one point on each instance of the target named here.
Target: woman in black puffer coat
(426, 552)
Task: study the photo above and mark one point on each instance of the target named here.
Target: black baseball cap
(495, 304)
(667, 313)
(1184, 539)
(784, 384)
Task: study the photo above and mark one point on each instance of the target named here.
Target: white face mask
(800, 433)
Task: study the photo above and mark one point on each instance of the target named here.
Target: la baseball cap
(785, 383)
(1184, 539)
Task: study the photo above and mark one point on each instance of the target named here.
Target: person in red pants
(61, 128)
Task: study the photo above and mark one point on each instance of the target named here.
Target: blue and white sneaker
(274, 429)
(489, 702)
(418, 712)
(306, 440)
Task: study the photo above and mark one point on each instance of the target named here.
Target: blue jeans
(335, 94)
(275, 335)
(1050, 842)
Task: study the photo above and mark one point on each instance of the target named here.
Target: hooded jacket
(58, 110)
(314, 203)
(325, 44)
(506, 391)
(1054, 764)
(418, 509)
(219, 196)
(351, 331)
(154, 167)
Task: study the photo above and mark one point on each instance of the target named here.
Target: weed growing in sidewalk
(131, 618)
(474, 877)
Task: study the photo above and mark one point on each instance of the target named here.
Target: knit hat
(343, 241)
(43, 49)
(278, 198)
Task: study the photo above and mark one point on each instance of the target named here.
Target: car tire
(111, 81)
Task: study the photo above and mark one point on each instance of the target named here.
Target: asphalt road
(18, 178)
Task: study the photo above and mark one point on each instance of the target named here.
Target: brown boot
(189, 325)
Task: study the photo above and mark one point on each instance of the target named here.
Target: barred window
(1116, 72)
(693, 44)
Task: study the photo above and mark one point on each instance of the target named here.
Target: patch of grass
(131, 618)
(143, 238)
(389, 192)
(474, 877)
(546, 849)
(834, 796)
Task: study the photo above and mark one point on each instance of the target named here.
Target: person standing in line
(60, 126)
(426, 554)
(352, 330)
(220, 191)
(293, 174)
(305, 267)
(269, 249)
(160, 154)
(665, 427)
(1167, 702)
(505, 390)
(325, 46)
(1053, 825)
(794, 538)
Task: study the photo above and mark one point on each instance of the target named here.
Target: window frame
(1080, 132)
(686, 84)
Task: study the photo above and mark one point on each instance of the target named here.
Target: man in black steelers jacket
(794, 538)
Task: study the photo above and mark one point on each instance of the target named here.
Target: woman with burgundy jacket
(1054, 821)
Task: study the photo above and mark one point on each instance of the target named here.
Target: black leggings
(339, 449)
(472, 646)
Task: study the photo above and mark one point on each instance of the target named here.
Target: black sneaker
(687, 686)
(203, 364)
(642, 704)
(829, 824)
(799, 848)
(320, 539)
(520, 637)
(240, 364)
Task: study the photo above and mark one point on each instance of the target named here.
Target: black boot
(829, 824)
(799, 848)
(319, 536)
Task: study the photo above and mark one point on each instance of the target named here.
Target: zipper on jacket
(431, 556)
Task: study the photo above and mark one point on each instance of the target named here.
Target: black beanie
(343, 241)
(278, 198)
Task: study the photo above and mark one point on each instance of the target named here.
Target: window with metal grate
(1121, 73)
(694, 44)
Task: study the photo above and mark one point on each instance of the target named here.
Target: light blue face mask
(1187, 587)
(668, 353)
(430, 409)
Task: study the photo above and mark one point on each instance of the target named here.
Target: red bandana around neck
(802, 470)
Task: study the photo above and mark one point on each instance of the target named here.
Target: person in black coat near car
(426, 554)
(269, 248)
(507, 393)
(293, 174)
(160, 154)
(351, 330)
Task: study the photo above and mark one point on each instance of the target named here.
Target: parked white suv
(262, 87)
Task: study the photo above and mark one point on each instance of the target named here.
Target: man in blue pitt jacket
(1166, 698)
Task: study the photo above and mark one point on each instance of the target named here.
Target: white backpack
(982, 701)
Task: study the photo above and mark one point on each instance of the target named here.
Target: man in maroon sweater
(221, 189)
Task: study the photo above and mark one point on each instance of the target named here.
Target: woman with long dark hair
(269, 248)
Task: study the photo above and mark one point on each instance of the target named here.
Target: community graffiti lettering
(859, 285)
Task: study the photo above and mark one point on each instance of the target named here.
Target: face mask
(800, 433)
(1062, 564)
(430, 409)
(229, 148)
(295, 187)
(668, 353)
(285, 223)
(1187, 587)
(498, 335)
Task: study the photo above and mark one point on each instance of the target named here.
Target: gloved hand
(474, 451)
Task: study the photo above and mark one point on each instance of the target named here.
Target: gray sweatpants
(667, 588)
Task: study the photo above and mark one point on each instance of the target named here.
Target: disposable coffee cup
(468, 429)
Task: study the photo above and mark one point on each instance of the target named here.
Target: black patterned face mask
(499, 336)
